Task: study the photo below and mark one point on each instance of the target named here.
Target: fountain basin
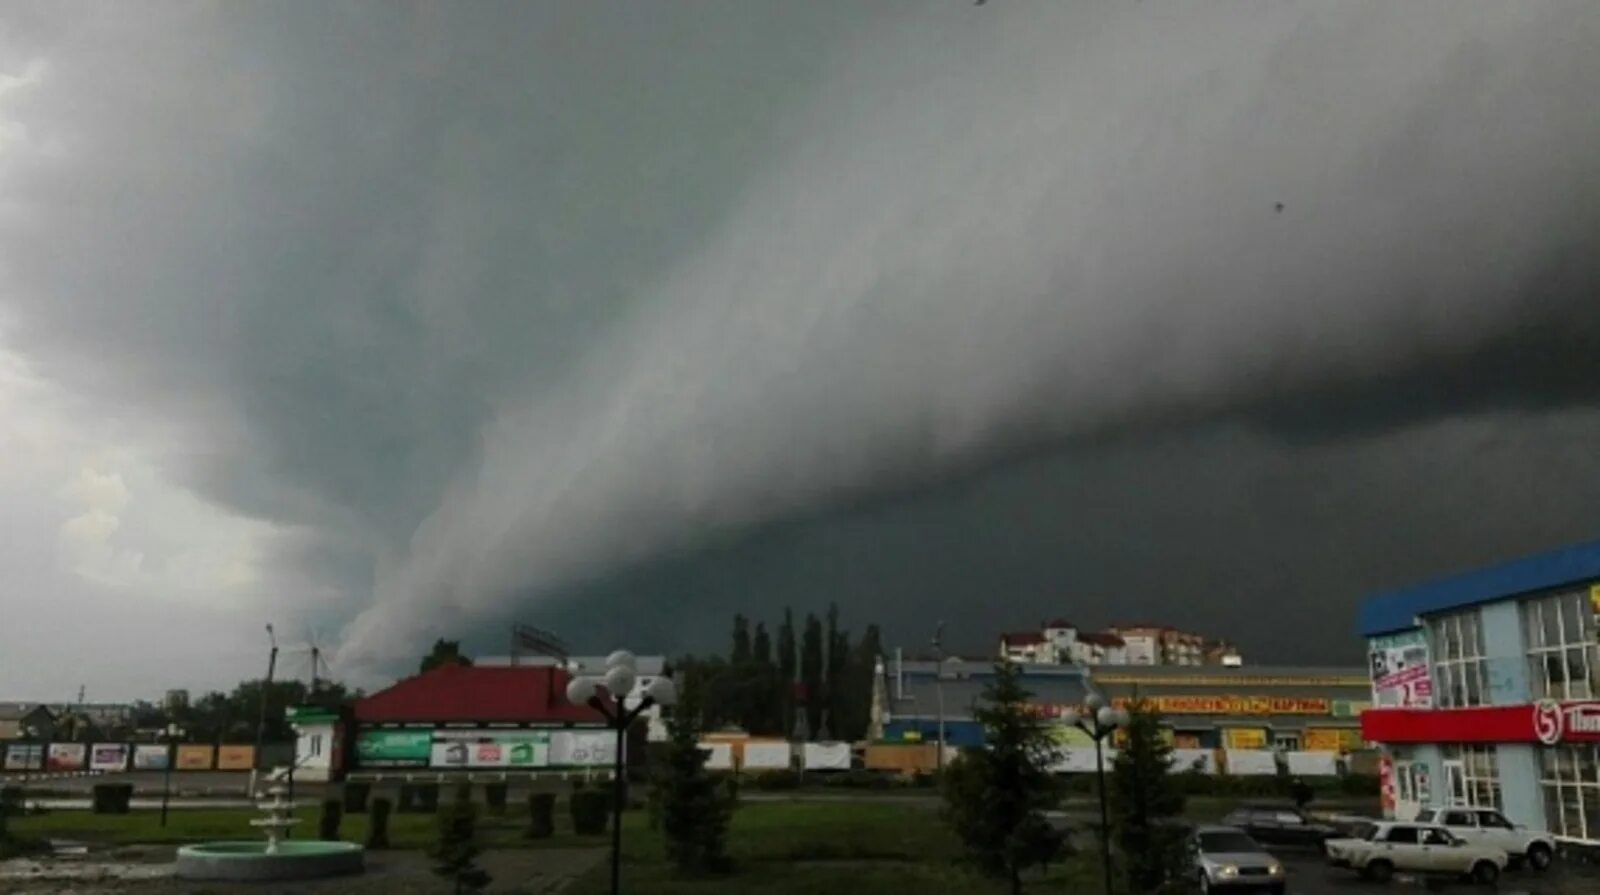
(245, 861)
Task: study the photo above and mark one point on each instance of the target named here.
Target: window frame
(1479, 764)
(1567, 781)
(1573, 651)
(1460, 668)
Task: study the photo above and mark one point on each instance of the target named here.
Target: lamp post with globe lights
(170, 735)
(617, 682)
(1099, 720)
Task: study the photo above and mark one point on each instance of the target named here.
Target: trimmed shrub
(589, 809)
(112, 798)
(356, 796)
(541, 815)
(328, 825)
(378, 830)
(419, 798)
(775, 780)
(494, 796)
(860, 779)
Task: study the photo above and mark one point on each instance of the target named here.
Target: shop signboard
(394, 748)
(66, 757)
(1548, 722)
(1244, 738)
(1234, 705)
(490, 749)
(150, 758)
(109, 756)
(1401, 677)
(24, 757)
(1321, 739)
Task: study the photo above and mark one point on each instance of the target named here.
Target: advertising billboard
(195, 757)
(109, 756)
(582, 748)
(236, 758)
(150, 758)
(24, 757)
(490, 749)
(66, 757)
(394, 748)
(1401, 677)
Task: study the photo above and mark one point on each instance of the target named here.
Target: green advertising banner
(394, 748)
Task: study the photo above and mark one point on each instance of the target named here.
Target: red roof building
(527, 694)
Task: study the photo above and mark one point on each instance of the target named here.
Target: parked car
(1227, 859)
(1487, 826)
(1381, 849)
(1275, 825)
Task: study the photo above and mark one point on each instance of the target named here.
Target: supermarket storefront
(1486, 691)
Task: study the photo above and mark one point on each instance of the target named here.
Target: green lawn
(797, 848)
(200, 825)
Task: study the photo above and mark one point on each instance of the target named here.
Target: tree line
(808, 682)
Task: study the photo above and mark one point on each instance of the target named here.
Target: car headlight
(1227, 871)
(1275, 869)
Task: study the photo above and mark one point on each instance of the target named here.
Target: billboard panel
(236, 758)
(1400, 673)
(195, 757)
(109, 756)
(511, 749)
(150, 758)
(24, 757)
(582, 748)
(394, 748)
(66, 757)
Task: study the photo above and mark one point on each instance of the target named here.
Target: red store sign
(1546, 721)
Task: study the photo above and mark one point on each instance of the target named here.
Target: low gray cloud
(500, 303)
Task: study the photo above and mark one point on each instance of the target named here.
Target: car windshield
(1364, 831)
(1227, 841)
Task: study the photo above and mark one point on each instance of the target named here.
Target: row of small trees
(811, 679)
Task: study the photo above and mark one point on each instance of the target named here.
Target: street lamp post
(171, 735)
(618, 681)
(1099, 720)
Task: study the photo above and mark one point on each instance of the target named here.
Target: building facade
(454, 718)
(1486, 691)
(1060, 642)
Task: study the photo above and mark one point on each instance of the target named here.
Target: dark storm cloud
(505, 300)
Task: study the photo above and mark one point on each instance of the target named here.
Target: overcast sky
(383, 322)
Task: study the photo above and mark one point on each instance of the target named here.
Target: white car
(1487, 826)
(1377, 851)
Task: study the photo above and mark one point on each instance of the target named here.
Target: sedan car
(1280, 826)
(1227, 859)
(1382, 849)
(1487, 826)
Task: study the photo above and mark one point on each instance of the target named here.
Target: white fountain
(279, 815)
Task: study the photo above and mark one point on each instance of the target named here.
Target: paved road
(1308, 875)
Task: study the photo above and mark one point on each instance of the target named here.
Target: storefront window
(1570, 778)
(1472, 776)
(1560, 634)
(1458, 660)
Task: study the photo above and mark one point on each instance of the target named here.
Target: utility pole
(261, 720)
(938, 687)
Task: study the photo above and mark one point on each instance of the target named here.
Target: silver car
(1226, 859)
